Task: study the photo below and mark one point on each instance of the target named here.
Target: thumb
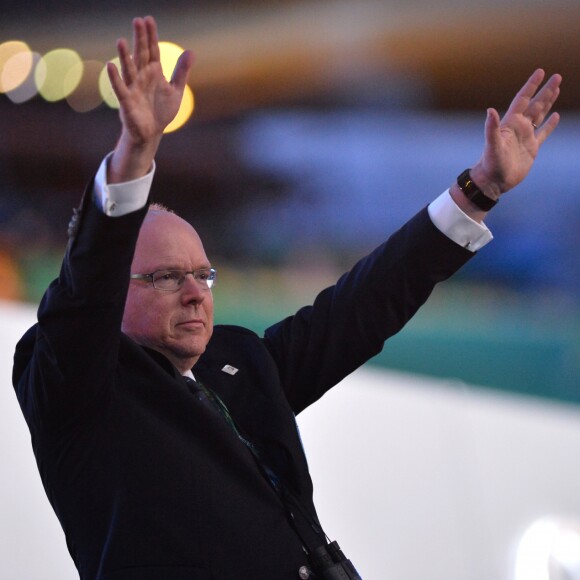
(492, 123)
(181, 70)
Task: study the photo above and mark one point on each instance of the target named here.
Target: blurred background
(318, 128)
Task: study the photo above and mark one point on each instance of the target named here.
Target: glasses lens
(206, 277)
(168, 279)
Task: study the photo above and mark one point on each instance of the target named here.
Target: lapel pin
(230, 370)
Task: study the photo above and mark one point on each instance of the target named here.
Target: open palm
(512, 143)
(148, 102)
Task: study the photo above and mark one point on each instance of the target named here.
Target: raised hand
(148, 102)
(512, 143)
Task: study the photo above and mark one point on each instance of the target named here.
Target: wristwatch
(473, 193)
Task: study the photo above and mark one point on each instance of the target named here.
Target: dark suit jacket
(148, 483)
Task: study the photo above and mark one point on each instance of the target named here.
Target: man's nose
(192, 290)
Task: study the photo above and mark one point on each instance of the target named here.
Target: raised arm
(148, 102)
(512, 142)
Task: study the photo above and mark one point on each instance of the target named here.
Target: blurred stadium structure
(338, 121)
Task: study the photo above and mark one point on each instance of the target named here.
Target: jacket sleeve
(349, 322)
(69, 357)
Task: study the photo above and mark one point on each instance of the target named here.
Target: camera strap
(327, 559)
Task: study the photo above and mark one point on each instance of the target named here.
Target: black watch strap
(473, 193)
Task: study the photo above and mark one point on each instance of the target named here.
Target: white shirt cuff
(456, 225)
(117, 199)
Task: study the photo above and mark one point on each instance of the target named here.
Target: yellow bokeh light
(15, 64)
(168, 54)
(184, 113)
(105, 88)
(54, 74)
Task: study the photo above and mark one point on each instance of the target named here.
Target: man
(158, 477)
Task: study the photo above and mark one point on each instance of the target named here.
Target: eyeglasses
(172, 280)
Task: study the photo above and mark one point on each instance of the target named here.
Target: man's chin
(193, 349)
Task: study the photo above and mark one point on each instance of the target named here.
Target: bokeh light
(105, 88)
(27, 89)
(62, 74)
(168, 54)
(86, 96)
(54, 74)
(549, 550)
(15, 64)
(184, 113)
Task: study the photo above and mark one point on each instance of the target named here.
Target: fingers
(181, 70)
(546, 129)
(534, 104)
(525, 94)
(145, 41)
(128, 69)
(145, 48)
(542, 103)
(140, 43)
(117, 83)
(151, 27)
(145, 52)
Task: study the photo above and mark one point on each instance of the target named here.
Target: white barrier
(417, 479)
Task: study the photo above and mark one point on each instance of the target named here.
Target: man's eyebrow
(204, 266)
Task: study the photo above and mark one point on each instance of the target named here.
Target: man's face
(177, 324)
